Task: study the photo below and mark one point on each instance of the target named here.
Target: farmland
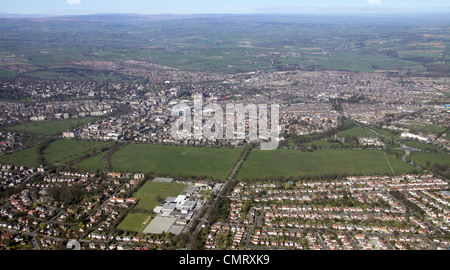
(221, 44)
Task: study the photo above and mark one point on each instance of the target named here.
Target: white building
(68, 134)
(414, 136)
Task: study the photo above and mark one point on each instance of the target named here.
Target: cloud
(374, 2)
(74, 2)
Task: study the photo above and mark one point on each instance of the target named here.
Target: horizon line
(378, 12)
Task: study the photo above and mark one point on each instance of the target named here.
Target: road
(201, 220)
(105, 201)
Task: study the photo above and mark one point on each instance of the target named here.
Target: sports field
(289, 163)
(150, 191)
(148, 196)
(175, 160)
(134, 222)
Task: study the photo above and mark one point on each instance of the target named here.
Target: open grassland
(423, 146)
(356, 132)
(49, 128)
(323, 143)
(175, 160)
(4, 73)
(395, 135)
(25, 157)
(389, 133)
(148, 196)
(94, 163)
(422, 158)
(291, 163)
(64, 151)
(417, 126)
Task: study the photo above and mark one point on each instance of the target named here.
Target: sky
(78, 7)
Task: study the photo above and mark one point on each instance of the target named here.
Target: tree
(8, 242)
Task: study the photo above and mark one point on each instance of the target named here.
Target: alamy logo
(235, 127)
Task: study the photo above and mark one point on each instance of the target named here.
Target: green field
(64, 151)
(135, 222)
(357, 132)
(421, 158)
(226, 43)
(25, 157)
(390, 133)
(4, 73)
(94, 163)
(175, 160)
(148, 195)
(423, 146)
(417, 126)
(290, 163)
(352, 61)
(323, 143)
(330, 142)
(149, 192)
(49, 128)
